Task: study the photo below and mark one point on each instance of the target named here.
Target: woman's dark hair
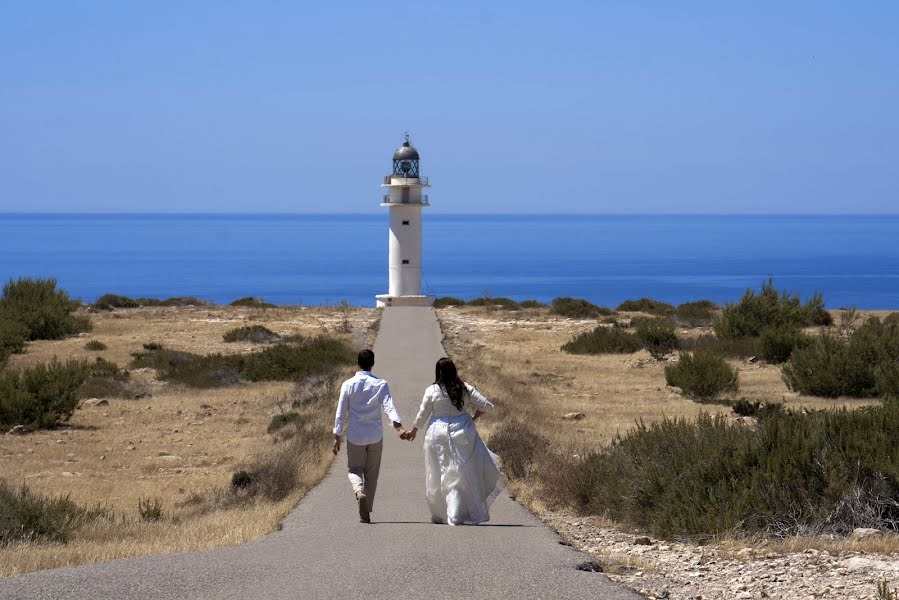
(448, 378)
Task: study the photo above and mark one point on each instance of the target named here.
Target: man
(362, 398)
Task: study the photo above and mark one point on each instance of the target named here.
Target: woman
(461, 475)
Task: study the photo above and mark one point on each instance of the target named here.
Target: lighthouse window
(405, 262)
(405, 222)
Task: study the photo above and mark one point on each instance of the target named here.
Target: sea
(326, 259)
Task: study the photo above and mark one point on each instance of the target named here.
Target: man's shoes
(362, 499)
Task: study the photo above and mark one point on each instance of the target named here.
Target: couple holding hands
(461, 475)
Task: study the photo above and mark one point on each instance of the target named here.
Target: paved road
(324, 552)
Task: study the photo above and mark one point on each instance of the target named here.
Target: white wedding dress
(461, 474)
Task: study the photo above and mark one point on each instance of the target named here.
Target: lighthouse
(405, 201)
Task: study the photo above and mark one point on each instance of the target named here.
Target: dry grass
(515, 359)
(179, 446)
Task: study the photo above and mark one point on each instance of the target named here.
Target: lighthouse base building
(405, 201)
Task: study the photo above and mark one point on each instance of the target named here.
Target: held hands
(405, 435)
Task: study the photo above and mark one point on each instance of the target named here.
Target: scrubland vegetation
(197, 443)
(781, 462)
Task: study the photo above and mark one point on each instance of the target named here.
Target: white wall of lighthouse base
(385, 300)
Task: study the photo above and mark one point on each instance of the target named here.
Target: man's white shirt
(362, 398)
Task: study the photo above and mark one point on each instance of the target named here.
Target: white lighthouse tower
(405, 202)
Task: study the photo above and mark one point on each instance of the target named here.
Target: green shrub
(730, 348)
(29, 517)
(891, 319)
(150, 512)
(603, 340)
(498, 302)
(12, 338)
(192, 370)
(280, 362)
(859, 367)
(702, 376)
(821, 472)
(95, 346)
(44, 311)
(518, 446)
(251, 302)
(886, 379)
(289, 362)
(111, 301)
(445, 301)
(107, 380)
(770, 308)
(700, 313)
(755, 408)
(577, 308)
(175, 301)
(533, 304)
(282, 420)
(778, 343)
(41, 396)
(257, 334)
(648, 305)
(657, 335)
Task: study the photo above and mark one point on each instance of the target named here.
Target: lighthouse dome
(406, 152)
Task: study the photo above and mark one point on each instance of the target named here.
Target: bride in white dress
(461, 474)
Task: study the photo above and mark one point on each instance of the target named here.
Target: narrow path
(324, 552)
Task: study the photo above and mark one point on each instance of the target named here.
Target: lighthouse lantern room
(405, 201)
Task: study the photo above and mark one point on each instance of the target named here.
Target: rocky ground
(659, 569)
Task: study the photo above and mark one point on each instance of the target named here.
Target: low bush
(815, 473)
(290, 362)
(175, 301)
(657, 335)
(578, 308)
(95, 346)
(44, 311)
(533, 304)
(12, 338)
(648, 305)
(730, 348)
(702, 376)
(192, 370)
(107, 380)
(282, 420)
(251, 302)
(862, 366)
(498, 302)
(603, 340)
(111, 301)
(755, 408)
(778, 343)
(258, 334)
(150, 512)
(280, 362)
(41, 396)
(518, 446)
(445, 301)
(700, 313)
(770, 308)
(29, 517)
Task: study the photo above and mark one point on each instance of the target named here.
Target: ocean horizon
(317, 259)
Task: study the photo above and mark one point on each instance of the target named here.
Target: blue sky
(516, 107)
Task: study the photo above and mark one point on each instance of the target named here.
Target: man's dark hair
(366, 360)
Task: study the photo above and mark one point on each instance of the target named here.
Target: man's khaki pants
(364, 463)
